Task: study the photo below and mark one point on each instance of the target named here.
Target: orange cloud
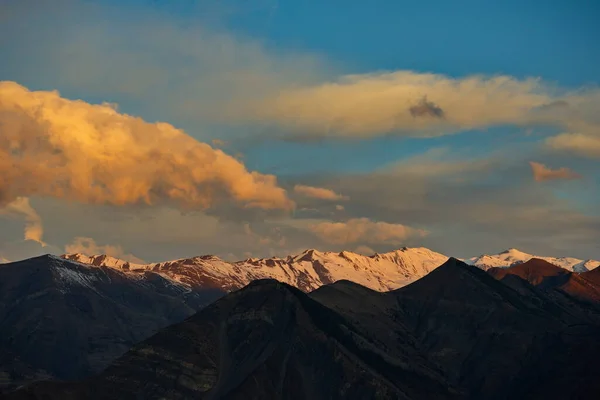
(52, 146)
(89, 247)
(318, 193)
(364, 230)
(542, 173)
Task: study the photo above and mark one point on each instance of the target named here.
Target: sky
(153, 130)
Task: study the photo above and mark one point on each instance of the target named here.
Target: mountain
(592, 276)
(457, 333)
(306, 271)
(67, 320)
(312, 269)
(546, 276)
(512, 257)
(266, 341)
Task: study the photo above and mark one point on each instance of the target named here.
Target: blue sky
(253, 75)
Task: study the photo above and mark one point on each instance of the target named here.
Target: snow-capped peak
(514, 256)
(312, 268)
(307, 270)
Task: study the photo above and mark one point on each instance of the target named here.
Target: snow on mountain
(512, 257)
(307, 271)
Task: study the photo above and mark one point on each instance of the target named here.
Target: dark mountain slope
(456, 333)
(266, 341)
(489, 334)
(484, 333)
(68, 321)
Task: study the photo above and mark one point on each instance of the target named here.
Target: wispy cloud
(407, 103)
(89, 247)
(577, 143)
(34, 229)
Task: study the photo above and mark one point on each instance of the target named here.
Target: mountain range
(458, 333)
(311, 269)
(70, 317)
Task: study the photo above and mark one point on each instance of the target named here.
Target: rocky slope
(457, 333)
(545, 276)
(67, 320)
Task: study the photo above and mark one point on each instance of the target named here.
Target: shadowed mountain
(592, 276)
(456, 333)
(548, 277)
(67, 320)
(266, 341)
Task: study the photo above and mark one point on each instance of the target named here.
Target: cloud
(375, 104)
(88, 246)
(339, 207)
(426, 108)
(34, 229)
(318, 193)
(542, 173)
(473, 205)
(576, 143)
(397, 103)
(363, 230)
(70, 149)
(190, 68)
(364, 250)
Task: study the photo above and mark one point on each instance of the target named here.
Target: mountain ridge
(312, 268)
(457, 333)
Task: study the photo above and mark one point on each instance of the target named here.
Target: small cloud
(89, 247)
(364, 250)
(34, 229)
(218, 143)
(426, 108)
(363, 230)
(340, 207)
(542, 173)
(318, 193)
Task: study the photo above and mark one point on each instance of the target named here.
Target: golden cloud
(70, 149)
(363, 230)
(416, 104)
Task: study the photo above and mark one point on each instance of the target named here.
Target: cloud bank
(412, 104)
